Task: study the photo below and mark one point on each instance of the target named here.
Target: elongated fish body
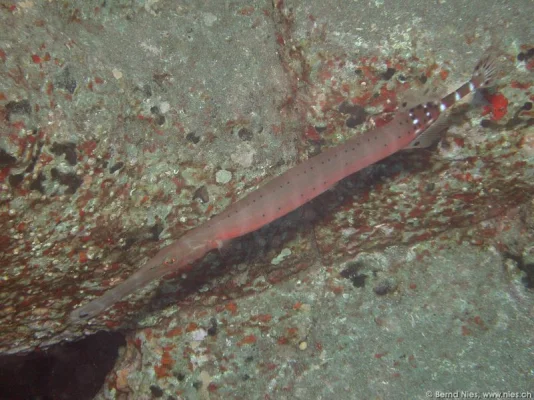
(413, 128)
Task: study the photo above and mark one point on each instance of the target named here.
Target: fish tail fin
(486, 71)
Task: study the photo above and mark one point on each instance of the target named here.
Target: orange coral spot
(166, 359)
(232, 307)
(174, 332)
(466, 331)
(212, 387)
(520, 85)
(311, 133)
(161, 371)
(337, 289)
(292, 332)
(248, 10)
(443, 74)
(148, 334)
(250, 339)
(36, 59)
(191, 327)
(82, 257)
(264, 318)
(499, 106)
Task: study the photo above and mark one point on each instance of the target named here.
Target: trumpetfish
(416, 127)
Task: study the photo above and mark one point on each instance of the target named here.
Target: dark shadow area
(527, 268)
(62, 372)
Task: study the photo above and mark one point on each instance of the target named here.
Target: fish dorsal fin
(431, 135)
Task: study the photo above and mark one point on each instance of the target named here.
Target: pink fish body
(408, 129)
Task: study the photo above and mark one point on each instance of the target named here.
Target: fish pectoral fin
(431, 135)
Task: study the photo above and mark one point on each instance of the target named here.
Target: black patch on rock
(352, 272)
(64, 371)
(6, 159)
(69, 179)
(18, 107)
(68, 149)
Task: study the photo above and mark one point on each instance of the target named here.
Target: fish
(416, 127)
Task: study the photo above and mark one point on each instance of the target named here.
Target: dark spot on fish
(116, 167)
(68, 149)
(192, 137)
(384, 288)
(244, 134)
(18, 107)
(388, 74)
(6, 159)
(156, 391)
(202, 194)
(416, 143)
(352, 272)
